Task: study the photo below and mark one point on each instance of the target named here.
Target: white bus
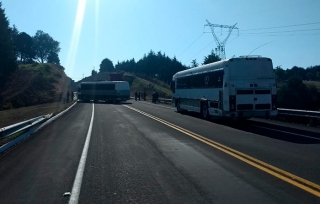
(238, 88)
(111, 91)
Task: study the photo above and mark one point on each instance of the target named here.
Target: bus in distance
(238, 88)
(108, 91)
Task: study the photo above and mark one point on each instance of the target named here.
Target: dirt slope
(34, 84)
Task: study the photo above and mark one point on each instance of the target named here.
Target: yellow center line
(297, 181)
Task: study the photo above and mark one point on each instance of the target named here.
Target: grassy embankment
(149, 85)
(33, 90)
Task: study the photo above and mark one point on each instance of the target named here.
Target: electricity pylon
(220, 50)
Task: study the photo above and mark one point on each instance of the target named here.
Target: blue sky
(91, 30)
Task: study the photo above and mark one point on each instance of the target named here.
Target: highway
(139, 152)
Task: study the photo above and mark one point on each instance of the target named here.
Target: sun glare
(75, 37)
(96, 30)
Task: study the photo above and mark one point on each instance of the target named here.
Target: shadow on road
(273, 131)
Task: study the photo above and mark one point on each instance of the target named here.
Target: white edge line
(288, 132)
(54, 117)
(78, 180)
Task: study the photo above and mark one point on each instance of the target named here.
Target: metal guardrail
(313, 116)
(302, 113)
(19, 127)
(25, 129)
(165, 100)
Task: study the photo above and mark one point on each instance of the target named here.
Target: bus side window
(216, 79)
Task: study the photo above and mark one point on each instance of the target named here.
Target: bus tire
(179, 110)
(204, 111)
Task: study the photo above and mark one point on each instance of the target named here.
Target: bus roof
(103, 82)
(217, 65)
(203, 68)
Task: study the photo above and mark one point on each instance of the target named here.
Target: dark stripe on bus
(245, 107)
(262, 92)
(263, 106)
(242, 92)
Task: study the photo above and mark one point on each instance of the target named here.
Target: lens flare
(75, 37)
(96, 30)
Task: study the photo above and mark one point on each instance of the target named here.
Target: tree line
(296, 87)
(19, 47)
(157, 65)
(309, 74)
(39, 48)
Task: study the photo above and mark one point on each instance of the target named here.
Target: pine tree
(7, 56)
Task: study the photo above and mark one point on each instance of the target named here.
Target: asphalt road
(144, 153)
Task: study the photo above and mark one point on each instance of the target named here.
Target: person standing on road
(144, 95)
(154, 97)
(68, 95)
(139, 95)
(135, 95)
(72, 96)
(157, 96)
(60, 97)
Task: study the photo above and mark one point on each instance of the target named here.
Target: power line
(233, 39)
(287, 35)
(201, 50)
(282, 26)
(191, 44)
(285, 31)
(259, 47)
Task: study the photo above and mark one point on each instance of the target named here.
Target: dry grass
(12, 116)
(149, 87)
(34, 84)
(313, 83)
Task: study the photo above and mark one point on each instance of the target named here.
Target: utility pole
(220, 49)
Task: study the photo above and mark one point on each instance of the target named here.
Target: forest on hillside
(155, 65)
(298, 87)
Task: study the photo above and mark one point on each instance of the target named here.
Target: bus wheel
(179, 110)
(204, 111)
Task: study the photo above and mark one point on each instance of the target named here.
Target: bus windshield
(257, 69)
